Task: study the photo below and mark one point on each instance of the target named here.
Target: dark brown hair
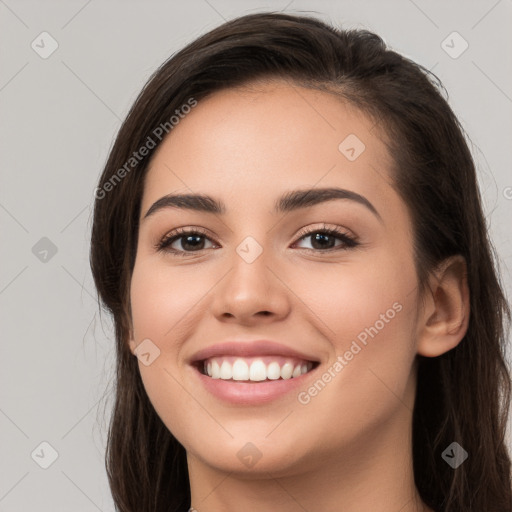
(462, 395)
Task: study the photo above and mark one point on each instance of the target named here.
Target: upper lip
(248, 349)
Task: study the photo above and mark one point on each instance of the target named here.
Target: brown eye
(325, 239)
(184, 241)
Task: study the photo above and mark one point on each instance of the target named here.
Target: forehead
(269, 136)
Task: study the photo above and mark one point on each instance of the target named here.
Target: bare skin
(348, 448)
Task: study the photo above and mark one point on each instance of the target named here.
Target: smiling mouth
(254, 369)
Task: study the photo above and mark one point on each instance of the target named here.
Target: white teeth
(296, 371)
(258, 371)
(273, 371)
(254, 369)
(287, 371)
(226, 371)
(215, 370)
(240, 370)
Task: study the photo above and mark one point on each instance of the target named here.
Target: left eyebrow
(293, 200)
(297, 199)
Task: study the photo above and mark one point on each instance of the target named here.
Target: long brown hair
(463, 395)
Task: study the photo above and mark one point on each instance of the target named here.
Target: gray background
(59, 116)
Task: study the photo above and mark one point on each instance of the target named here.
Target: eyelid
(323, 226)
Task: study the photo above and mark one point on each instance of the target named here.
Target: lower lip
(251, 393)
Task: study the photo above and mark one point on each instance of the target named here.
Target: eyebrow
(290, 201)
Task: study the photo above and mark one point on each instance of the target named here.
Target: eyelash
(348, 241)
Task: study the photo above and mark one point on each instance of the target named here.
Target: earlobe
(445, 317)
(131, 340)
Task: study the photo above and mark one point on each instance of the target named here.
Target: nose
(252, 293)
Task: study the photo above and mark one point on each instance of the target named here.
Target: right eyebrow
(197, 202)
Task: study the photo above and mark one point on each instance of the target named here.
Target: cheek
(161, 302)
(367, 312)
(365, 299)
(161, 299)
(370, 312)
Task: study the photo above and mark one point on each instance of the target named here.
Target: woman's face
(264, 268)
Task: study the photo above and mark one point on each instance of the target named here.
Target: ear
(444, 318)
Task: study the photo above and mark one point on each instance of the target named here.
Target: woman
(289, 235)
